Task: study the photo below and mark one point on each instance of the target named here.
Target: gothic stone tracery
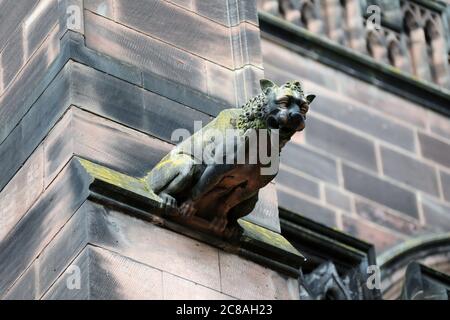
(411, 37)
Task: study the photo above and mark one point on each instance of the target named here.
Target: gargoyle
(222, 191)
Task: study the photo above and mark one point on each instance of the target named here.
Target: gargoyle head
(285, 107)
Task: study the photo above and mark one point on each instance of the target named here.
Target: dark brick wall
(381, 163)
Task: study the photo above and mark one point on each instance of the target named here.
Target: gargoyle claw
(233, 232)
(219, 224)
(187, 209)
(168, 201)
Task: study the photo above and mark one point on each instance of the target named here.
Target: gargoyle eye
(282, 101)
(304, 107)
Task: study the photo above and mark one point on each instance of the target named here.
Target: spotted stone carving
(214, 194)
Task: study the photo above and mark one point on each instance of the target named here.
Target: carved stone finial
(213, 195)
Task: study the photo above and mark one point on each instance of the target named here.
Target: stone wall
(109, 81)
(121, 257)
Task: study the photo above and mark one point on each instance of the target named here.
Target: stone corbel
(130, 194)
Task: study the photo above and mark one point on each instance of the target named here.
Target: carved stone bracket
(131, 194)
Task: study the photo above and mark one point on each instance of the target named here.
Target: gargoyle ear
(310, 98)
(266, 84)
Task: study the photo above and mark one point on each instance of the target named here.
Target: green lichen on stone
(255, 232)
(118, 179)
(252, 114)
(252, 232)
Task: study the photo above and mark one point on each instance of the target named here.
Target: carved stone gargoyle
(213, 188)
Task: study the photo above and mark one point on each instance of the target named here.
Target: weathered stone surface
(115, 146)
(102, 94)
(135, 48)
(435, 149)
(63, 249)
(163, 116)
(281, 63)
(445, 181)
(27, 39)
(265, 212)
(228, 13)
(13, 13)
(381, 100)
(306, 208)
(242, 10)
(184, 30)
(112, 276)
(381, 238)
(29, 133)
(176, 288)
(184, 94)
(340, 142)
(93, 137)
(13, 101)
(26, 287)
(74, 47)
(50, 231)
(337, 198)
(439, 124)
(44, 114)
(379, 190)
(41, 224)
(106, 275)
(275, 58)
(385, 217)
(289, 179)
(131, 105)
(221, 82)
(246, 45)
(244, 279)
(11, 156)
(436, 214)
(100, 7)
(188, 4)
(60, 290)
(247, 82)
(21, 192)
(361, 119)
(312, 163)
(58, 147)
(409, 171)
(214, 9)
(164, 250)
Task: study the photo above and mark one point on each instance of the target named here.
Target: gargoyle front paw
(187, 209)
(233, 232)
(218, 225)
(168, 201)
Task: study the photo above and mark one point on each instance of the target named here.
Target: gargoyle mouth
(272, 123)
(287, 125)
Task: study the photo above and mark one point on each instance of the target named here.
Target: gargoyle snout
(292, 120)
